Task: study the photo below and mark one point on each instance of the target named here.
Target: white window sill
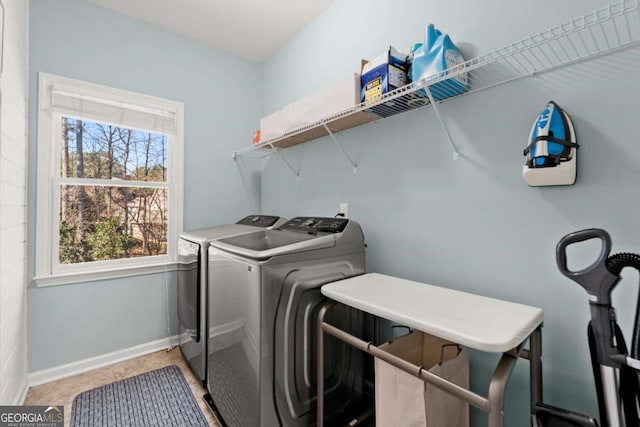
(104, 274)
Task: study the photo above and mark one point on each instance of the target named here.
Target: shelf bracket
(354, 164)
(275, 150)
(456, 153)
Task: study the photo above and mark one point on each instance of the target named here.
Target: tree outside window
(109, 199)
(100, 222)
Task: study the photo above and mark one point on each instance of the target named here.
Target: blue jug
(437, 54)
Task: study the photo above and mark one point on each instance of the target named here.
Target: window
(109, 181)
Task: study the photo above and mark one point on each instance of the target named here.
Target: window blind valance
(83, 104)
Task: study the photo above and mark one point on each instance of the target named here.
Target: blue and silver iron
(552, 148)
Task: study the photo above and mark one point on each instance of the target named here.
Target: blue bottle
(437, 54)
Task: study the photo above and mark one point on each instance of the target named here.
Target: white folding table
(474, 321)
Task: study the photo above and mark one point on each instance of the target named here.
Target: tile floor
(63, 391)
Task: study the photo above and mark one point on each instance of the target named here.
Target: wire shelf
(603, 31)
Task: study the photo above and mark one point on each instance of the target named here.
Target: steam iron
(552, 149)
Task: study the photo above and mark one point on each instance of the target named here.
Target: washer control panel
(264, 221)
(314, 225)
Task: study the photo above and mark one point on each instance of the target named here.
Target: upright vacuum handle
(598, 281)
(595, 279)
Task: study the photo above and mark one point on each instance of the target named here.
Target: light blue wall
(471, 224)
(222, 99)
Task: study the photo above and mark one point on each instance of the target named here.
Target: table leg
(320, 363)
(535, 366)
(496, 388)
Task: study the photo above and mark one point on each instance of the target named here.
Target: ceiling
(253, 29)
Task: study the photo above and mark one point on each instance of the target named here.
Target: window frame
(48, 270)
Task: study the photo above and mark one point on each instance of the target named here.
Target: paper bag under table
(403, 400)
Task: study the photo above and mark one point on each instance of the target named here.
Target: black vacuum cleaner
(615, 368)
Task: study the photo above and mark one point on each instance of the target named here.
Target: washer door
(296, 344)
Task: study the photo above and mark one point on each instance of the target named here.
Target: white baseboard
(80, 366)
(21, 394)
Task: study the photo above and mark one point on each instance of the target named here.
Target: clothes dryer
(192, 284)
(264, 297)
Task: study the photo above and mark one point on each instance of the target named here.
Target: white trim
(20, 395)
(111, 183)
(27, 150)
(44, 181)
(23, 395)
(94, 275)
(80, 366)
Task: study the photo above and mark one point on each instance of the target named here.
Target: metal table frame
(492, 404)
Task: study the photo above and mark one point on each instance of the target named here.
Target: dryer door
(295, 346)
(189, 288)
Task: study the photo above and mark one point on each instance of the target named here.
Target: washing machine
(192, 284)
(264, 297)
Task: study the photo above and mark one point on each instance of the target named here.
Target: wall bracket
(275, 150)
(456, 153)
(333, 138)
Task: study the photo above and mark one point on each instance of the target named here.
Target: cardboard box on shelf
(311, 109)
(382, 74)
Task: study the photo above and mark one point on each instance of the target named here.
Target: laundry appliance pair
(263, 302)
